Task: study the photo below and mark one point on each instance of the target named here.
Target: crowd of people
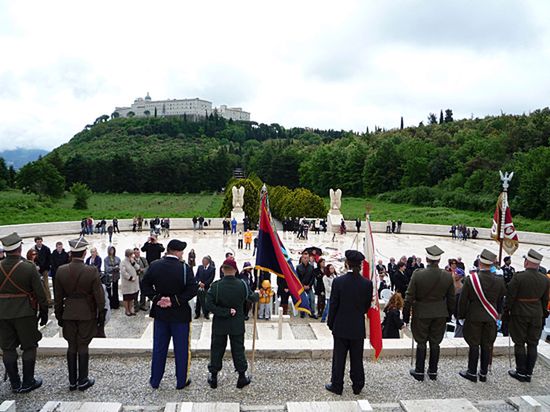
(393, 226)
(462, 232)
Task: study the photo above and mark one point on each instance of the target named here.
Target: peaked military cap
(11, 242)
(78, 245)
(487, 257)
(354, 256)
(434, 252)
(533, 256)
(176, 244)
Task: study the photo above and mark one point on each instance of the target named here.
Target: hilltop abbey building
(143, 107)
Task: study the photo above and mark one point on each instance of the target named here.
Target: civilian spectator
(115, 225)
(59, 257)
(393, 323)
(152, 249)
(247, 239)
(110, 231)
(43, 260)
(192, 259)
(143, 265)
(94, 259)
(305, 273)
(233, 226)
(330, 275)
(205, 276)
(112, 272)
(319, 286)
(401, 279)
(129, 281)
(382, 284)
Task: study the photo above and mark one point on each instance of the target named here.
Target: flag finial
(505, 178)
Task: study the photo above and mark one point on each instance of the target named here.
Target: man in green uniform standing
(431, 296)
(21, 296)
(79, 310)
(480, 300)
(225, 299)
(526, 307)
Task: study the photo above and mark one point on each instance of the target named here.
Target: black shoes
(432, 376)
(88, 383)
(331, 388)
(184, 386)
(243, 380)
(482, 378)
(518, 376)
(30, 386)
(472, 377)
(419, 376)
(357, 391)
(212, 380)
(197, 316)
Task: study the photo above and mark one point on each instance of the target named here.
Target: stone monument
(238, 204)
(335, 217)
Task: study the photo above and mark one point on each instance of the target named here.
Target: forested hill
(454, 163)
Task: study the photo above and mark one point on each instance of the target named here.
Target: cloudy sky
(327, 64)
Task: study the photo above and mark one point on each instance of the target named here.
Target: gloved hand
(43, 317)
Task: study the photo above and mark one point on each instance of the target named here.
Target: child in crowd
(265, 300)
(393, 323)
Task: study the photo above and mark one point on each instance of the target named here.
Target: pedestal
(239, 217)
(334, 219)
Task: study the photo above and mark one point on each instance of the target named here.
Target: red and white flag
(503, 227)
(369, 271)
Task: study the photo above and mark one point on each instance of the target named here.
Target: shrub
(81, 193)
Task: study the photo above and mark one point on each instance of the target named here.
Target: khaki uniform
(526, 307)
(480, 329)
(431, 296)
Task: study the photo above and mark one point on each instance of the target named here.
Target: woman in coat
(330, 275)
(94, 259)
(112, 270)
(129, 281)
(392, 323)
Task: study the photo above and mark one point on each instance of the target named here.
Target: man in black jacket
(350, 299)
(307, 277)
(152, 249)
(205, 276)
(401, 280)
(43, 260)
(170, 285)
(59, 257)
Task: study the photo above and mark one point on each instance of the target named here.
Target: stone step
(57, 406)
(430, 405)
(340, 406)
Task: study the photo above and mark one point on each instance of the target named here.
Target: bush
(41, 178)
(81, 193)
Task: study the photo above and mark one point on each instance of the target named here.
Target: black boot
(471, 373)
(521, 365)
(243, 380)
(484, 364)
(10, 363)
(418, 372)
(434, 360)
(331, 388)
(30, 383)
(213, 380)
(530, 362)
(84, 382)
(72, 366)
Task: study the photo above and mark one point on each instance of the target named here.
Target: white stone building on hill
(143, 107)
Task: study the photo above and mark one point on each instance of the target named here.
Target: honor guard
(479, 304)
(431, 296)
(79, 310)
(350, 300)
(21, 297)
(526, 308)
(226, 299)
(170, 285)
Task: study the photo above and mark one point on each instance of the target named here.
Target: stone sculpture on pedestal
(238, 204)
(335, 217)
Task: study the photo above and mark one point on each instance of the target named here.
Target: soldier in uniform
(526, 308)
(480, 328)
(350, 299)
(431, 296)
(21, 296)
(79, 310)
(225, 299)
(170, 285)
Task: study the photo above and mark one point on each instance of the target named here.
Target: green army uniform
(480, 328)
(526, 307)
(431, 296)
(223, 295)
(18, 317)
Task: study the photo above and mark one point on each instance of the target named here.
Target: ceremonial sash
(484, 302)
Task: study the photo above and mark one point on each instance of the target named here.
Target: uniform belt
(528, 299)
(12, 295)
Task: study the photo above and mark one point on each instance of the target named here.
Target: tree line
(450, 163)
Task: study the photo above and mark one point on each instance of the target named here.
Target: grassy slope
(20, 208)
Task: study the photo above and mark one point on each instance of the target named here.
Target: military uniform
(79, 310)
(431, 296)
(526, 308)
(225, 295)
(21, 296)
(480, 328)
(350, 299)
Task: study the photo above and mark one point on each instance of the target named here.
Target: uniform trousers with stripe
(163, 332)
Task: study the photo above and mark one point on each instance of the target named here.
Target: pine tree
(402, 123)
(441, 117)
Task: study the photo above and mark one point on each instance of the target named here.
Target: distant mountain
(20, 157)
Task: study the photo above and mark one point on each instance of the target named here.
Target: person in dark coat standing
(226, 299)
(170, 285)
(44, 262)
(305, 273)
(79, 310)
(526, 309)
(350, 299)
(401, 280)
(59, 257)
(152, 249)
(21, 296)
(431, 296)
(392, 323)
(205, 276)
(480, 328)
